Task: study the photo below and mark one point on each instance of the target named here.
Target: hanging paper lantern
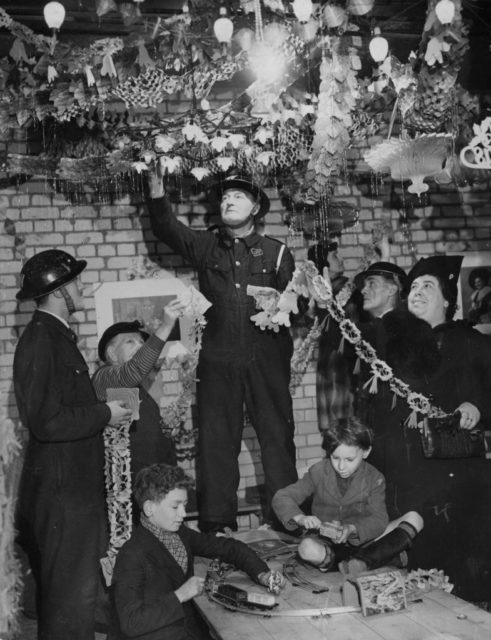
(379, 47)
(360, 7)
(334, 16)
(445, 11)
(411, 159)
(223, 27)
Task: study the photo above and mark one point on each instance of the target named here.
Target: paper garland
(307, 282)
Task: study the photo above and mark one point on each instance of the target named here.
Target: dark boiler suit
(239, 364)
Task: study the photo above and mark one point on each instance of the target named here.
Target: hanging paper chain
(307, 281)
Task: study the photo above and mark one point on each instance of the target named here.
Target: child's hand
(308, 522)
(272, 580)
(346, 531)
(191, 588)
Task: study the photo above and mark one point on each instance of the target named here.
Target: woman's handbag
(443, 438)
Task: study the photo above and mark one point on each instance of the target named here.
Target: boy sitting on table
(153, 578)
(348, 507)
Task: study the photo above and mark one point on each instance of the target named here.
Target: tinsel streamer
(117, 470)
(303, 353)
(10, 574)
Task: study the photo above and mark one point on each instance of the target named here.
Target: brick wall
(110, 236)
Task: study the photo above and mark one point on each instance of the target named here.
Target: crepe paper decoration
(200, 172)
(435, 49)
(177, 352)
(477, 154)
(411, 159)
(164, 143)
(236, 140)
(139, 166)
(265, 157)
(263, 135)
(89, 75)
(144, 59)
(108, 68)
(52, 73)
(218, 143)
(170, 164)
(193, 132)
(18, 51)
(225, 162)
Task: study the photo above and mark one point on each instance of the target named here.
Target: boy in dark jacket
(153, 579)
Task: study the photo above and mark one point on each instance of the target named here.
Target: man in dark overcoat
(61, 503)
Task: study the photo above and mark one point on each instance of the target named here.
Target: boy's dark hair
(350, 431)
(156, 481)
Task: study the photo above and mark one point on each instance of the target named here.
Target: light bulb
(223, 27)
(445, 11)
(54, 14)
(302, 9)
(379, 47)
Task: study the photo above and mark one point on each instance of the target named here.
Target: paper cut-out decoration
(411, 159)
(477, 154)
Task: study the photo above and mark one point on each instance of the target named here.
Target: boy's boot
(388, 550)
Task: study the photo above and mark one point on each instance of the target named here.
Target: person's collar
(249, 240)
(55, 315)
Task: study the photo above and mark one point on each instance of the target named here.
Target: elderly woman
(450, 363)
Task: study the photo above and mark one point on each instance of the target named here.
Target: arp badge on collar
(256, 252)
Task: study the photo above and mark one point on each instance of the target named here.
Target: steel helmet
(46, 272)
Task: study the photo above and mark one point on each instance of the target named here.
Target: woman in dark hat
(448, 362)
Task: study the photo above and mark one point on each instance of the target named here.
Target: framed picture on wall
(144, 300)
(475, 290)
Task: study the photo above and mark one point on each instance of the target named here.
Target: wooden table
(438, 616)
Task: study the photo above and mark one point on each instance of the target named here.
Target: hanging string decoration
(338, 93)
(117, 471)
(307, 282)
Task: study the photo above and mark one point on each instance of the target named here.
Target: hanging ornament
(334, 16)
(223, 27)
(445, 11)
(379, 47)
(54, 15)
(302, 10)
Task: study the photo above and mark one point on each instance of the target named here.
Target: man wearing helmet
(61, 498)
(240, 364)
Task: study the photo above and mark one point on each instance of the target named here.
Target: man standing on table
(61, 511)
(240, 365)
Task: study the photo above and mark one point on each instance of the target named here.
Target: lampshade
(54, 14)
(379, 47)
(302, 9)
(223, 27)
(445, 11)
